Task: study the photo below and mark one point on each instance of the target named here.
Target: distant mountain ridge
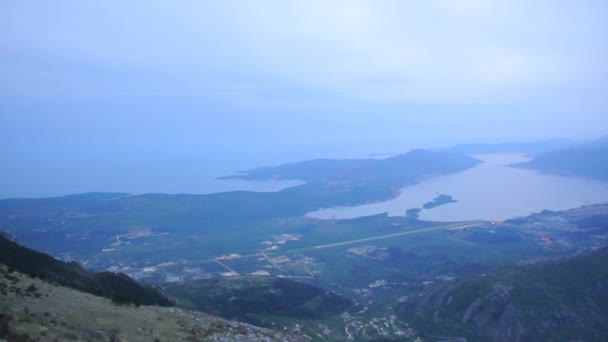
(512, 147)
(17, 207)
(71, 274)
(581, 162)
(589, 159)
(557, 156)
(403, 168)
(601, 142)
(529, 148)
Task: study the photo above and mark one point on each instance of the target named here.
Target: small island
(438, 201)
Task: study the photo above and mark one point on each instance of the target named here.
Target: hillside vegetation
(560, 301)
(243, 297)
(107, 284)
(34, 310)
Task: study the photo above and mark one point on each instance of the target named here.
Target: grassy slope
(48, 312)
(73, 275)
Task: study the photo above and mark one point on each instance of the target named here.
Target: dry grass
(31, 309)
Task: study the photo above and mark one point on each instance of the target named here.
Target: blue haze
(151, 96)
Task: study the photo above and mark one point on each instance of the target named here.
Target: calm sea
(490, 191)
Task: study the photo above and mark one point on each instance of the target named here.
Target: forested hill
(248, 298)
(560, 301)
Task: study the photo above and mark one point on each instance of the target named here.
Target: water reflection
(489, 191)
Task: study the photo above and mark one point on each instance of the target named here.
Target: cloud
(463, 5)
(288, 54)
(248, 82)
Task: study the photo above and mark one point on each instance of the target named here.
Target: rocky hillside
(73, 275)
(561, 301)
(34, 310)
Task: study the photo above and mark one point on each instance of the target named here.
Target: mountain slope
(73, 275)
(35, 310)
(566, 300)
(243, 296)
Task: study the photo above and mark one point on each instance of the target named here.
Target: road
(388, 236)
(459, 225)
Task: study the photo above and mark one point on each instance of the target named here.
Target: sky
(160, 96)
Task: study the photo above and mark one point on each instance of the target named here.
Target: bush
(119, 298)
(4, 331)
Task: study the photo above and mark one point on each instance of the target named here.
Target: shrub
(119, 298)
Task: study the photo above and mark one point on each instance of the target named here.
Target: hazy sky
(130, 95)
